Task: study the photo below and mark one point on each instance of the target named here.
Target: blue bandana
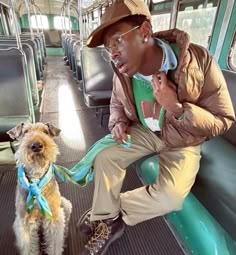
(34, 188)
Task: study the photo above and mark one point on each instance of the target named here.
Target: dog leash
(82, 173)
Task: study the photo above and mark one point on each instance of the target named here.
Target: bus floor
(63, 106)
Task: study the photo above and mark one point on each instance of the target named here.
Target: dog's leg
(54, 234)
(27, 240)
(67, 206)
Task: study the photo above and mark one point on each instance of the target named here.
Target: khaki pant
(177, 171)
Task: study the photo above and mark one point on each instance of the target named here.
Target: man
(169, 116)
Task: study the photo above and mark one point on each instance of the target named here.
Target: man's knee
(102, 157)
(171, 199)
(175, 199)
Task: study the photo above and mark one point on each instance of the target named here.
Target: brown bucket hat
(117, 11)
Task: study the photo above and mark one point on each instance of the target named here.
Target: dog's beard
(37, 163)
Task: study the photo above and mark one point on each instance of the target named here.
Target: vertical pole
(81, 30)
(29, 20)
(68, 13)
(36, 17)
(18, 40)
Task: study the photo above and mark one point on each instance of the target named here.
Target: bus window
(160, 22)
(161, 13)
(61, 22)
(1, 26)
(37, 21)
(95, 19)
(197, 19)
(5, 20)
(232, 55)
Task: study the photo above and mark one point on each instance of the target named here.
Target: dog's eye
(26, 131)
(46, 132)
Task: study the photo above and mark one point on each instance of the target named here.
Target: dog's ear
(53, 130)
(16, 132)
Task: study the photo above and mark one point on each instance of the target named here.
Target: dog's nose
(36, 146)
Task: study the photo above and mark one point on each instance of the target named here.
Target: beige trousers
(177, 172)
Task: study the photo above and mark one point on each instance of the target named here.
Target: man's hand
(119, 132)
(165, 93)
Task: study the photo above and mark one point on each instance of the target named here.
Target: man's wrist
(178, 111)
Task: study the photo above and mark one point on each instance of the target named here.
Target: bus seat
(77, 47)
(230, 78)
(97, 77)
(209, 210)
(216, 179)
(12, 41)
(73, 59)
(16, 103)
(31, 71)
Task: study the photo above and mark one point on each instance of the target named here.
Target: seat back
(96, 72)
(230, 78)
(97, 75)
(38, 68)
(31, 71)
(77, 47)
(16, 103)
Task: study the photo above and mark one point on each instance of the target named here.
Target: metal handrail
(35, 14)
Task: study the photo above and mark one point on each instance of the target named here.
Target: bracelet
(181, 117)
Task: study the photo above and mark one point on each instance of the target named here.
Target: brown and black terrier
(39, 204)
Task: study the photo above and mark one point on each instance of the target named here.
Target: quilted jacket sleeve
(212, 114)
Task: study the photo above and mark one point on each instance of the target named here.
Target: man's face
(124, 44)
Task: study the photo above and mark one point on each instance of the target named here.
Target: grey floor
(63, 106)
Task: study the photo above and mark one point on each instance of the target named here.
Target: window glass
(61, 22)
(1, 26)
(197, 19)
(95, 19)
(6, 21)
(86, 3)
(161, 13)
(160, 22)
(42, 23)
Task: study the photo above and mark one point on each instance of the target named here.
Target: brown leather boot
(106, 232)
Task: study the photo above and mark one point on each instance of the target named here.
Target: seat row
(21, 69)
(92, 71)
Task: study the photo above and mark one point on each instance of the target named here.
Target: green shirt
(146, 105)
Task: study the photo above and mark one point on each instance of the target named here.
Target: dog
(40, 208)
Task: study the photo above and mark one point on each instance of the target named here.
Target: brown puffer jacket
(201, 88)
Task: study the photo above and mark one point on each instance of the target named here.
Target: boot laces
(99, 238)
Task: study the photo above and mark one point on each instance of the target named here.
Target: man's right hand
(119, 132)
